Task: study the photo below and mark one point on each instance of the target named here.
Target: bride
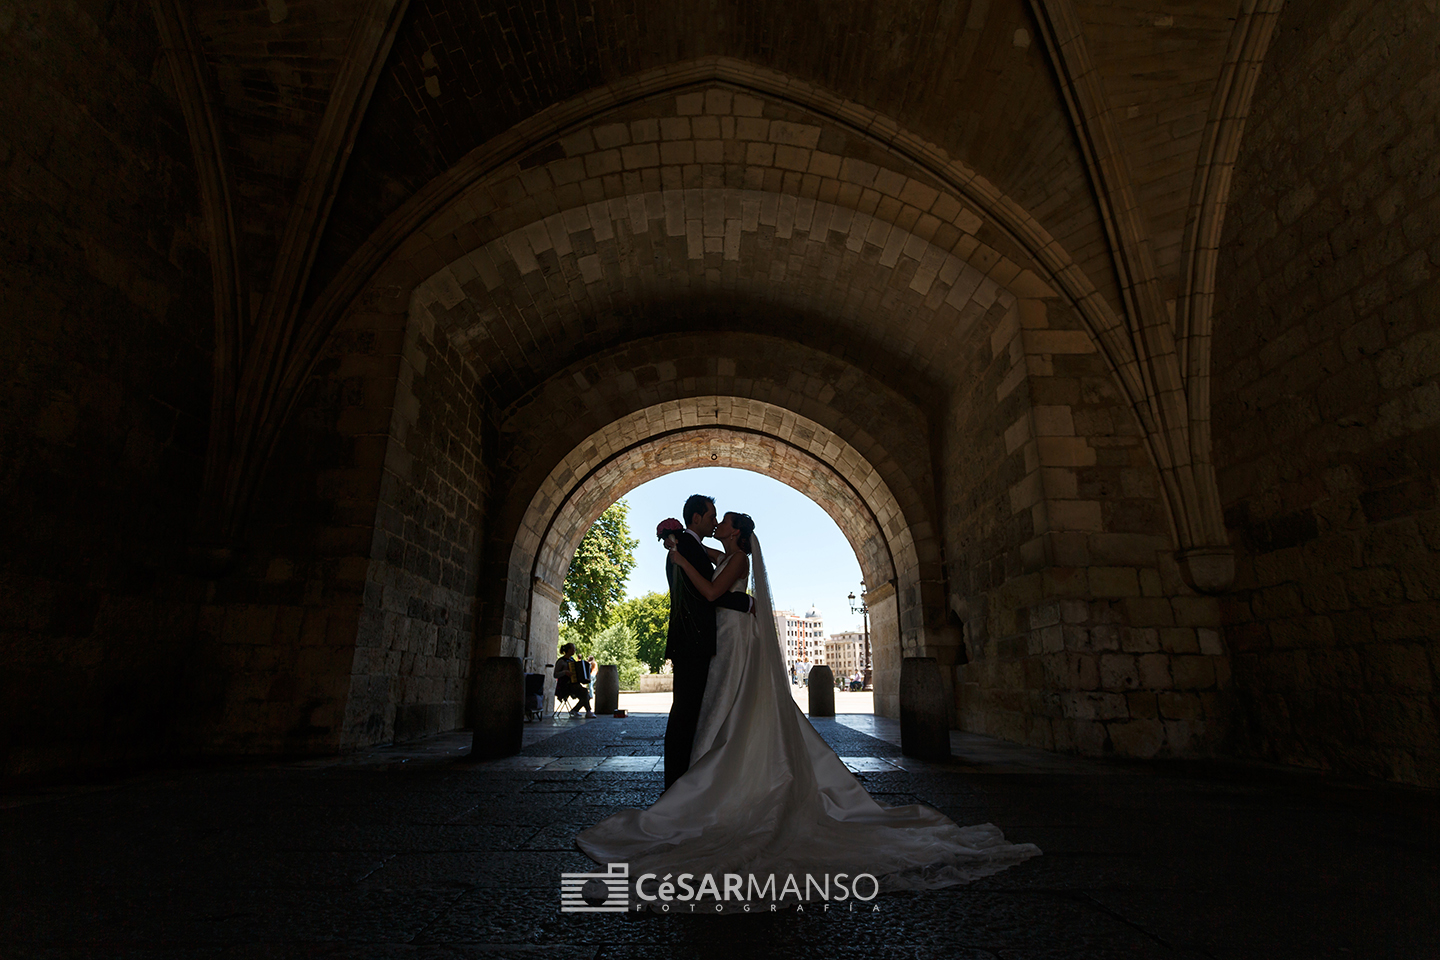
(765, 795)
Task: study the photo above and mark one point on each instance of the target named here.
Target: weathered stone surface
(106, 343)
(1325, 379)
(424, 557)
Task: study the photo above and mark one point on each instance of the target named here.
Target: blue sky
(809, 560)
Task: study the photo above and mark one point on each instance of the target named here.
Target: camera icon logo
(607, 892)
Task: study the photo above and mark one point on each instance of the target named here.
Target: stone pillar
(607, 688)
(499, 708)
(885, 650)
(822, 691)
(924, 729)
(542, 646)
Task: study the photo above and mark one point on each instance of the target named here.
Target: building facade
(845, 652)
(803, 638)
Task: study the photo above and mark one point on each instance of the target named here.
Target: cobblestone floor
(415, 852)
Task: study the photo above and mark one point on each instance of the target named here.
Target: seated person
(572, 676)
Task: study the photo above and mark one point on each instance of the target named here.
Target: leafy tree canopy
(616, 644)
(569, 633)
(602, 563)
(648, 617)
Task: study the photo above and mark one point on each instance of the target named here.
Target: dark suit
(689, 645)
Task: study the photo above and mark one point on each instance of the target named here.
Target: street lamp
(857, 605)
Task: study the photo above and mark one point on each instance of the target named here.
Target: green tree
(602, 563)
(649, 619)
(616, 644)
(569, 633)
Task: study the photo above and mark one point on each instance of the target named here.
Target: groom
(690, 642)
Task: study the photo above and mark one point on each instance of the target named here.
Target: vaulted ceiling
(972, 78)
(944, 155)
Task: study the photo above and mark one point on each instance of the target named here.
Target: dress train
(765, 795)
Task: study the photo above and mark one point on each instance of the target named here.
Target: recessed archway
(865, 299)
(715, 431)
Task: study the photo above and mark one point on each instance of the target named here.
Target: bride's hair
(746, 526)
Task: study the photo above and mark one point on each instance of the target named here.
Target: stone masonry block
(1196, 611)
(1058, 341)
(1127, 549)
(1104, 636)
(1118, 672)
(1139, 739)
(1069, 548)
(1083, 672)
(1065, 451)
(1180, 706)
(1095, 706)
(1114, 582)
(1139, 639)
(1053, 421)
(1193, 672)
(1154, 671)
(1142, 705)
(1186, 737)
(1075, 515)
(1089, 737)
(1179, 640)
(1147, 611)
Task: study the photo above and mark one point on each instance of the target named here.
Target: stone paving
(414, 851)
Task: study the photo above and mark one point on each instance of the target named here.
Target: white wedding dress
(765, 794)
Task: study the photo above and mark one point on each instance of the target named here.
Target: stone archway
(683, 435)
(599, 273)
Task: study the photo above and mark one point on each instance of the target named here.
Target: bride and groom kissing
(696, 591)
(750, 786)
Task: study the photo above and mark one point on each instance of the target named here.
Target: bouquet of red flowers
(668, 526)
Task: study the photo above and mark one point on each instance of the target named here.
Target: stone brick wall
(105, 340)
(982, 532)
(755, 215)
(432, 106)
(1326, 403)
(580, 419)
(1079, 634)
(347, 619)
(412, 657)
(730, 214)
(278, 632)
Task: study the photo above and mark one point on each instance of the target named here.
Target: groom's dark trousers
(690, 643)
